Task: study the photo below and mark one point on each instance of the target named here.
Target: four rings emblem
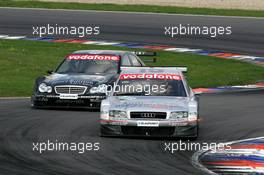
(148, 115)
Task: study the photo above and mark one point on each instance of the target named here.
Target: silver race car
(150, 101)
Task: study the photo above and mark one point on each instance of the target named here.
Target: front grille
(148, 115)
(70, 89)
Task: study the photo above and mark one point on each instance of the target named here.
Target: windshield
(89, 64)
(150, 87)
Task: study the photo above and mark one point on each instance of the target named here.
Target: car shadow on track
(149, 138)
(67, 109)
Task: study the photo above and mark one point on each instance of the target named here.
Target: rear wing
(182, 69)
(141, 53)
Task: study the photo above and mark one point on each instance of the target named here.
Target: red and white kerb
(150, 76)
(93, 57)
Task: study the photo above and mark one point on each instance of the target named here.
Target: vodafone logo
(93, 57)
(150, 76)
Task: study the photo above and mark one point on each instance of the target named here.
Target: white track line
(14, 37)
(13, 98)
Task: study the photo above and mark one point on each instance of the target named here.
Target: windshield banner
(92, 57)
(150, 76)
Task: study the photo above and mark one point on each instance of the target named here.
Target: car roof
(156, 70)
(101, 52)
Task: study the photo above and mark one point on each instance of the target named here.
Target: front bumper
(164, 129)
(83, 101)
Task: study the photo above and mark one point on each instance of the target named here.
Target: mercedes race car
(151, 101)
(74, 82)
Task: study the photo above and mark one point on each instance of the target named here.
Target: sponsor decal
(178, 123)
(139, 104)
(60, 80)
(148, 123)
(69, 96)
(93, 57)
(150, 76)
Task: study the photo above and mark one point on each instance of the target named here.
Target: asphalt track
(247, 33)
(225, 117)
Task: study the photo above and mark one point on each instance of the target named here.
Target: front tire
(195, 135)
(36, 104)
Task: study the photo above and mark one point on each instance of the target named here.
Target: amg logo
(148, 115)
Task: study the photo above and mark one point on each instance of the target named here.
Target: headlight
(44, 88)
(94, 90)
(193, 116)
(118, 114)
(178, 115)
(99, 89)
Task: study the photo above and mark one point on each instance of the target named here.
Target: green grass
(132, 8)
(22, 61)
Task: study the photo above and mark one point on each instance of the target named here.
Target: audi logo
(148, 115)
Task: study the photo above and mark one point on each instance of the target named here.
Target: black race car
(74, 83)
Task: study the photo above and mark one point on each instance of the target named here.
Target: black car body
(72, 84)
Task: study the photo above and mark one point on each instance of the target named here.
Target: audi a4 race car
(151, 101)
(74, 82)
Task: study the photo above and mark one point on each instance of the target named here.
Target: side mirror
(50, 71)
(197, 95)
